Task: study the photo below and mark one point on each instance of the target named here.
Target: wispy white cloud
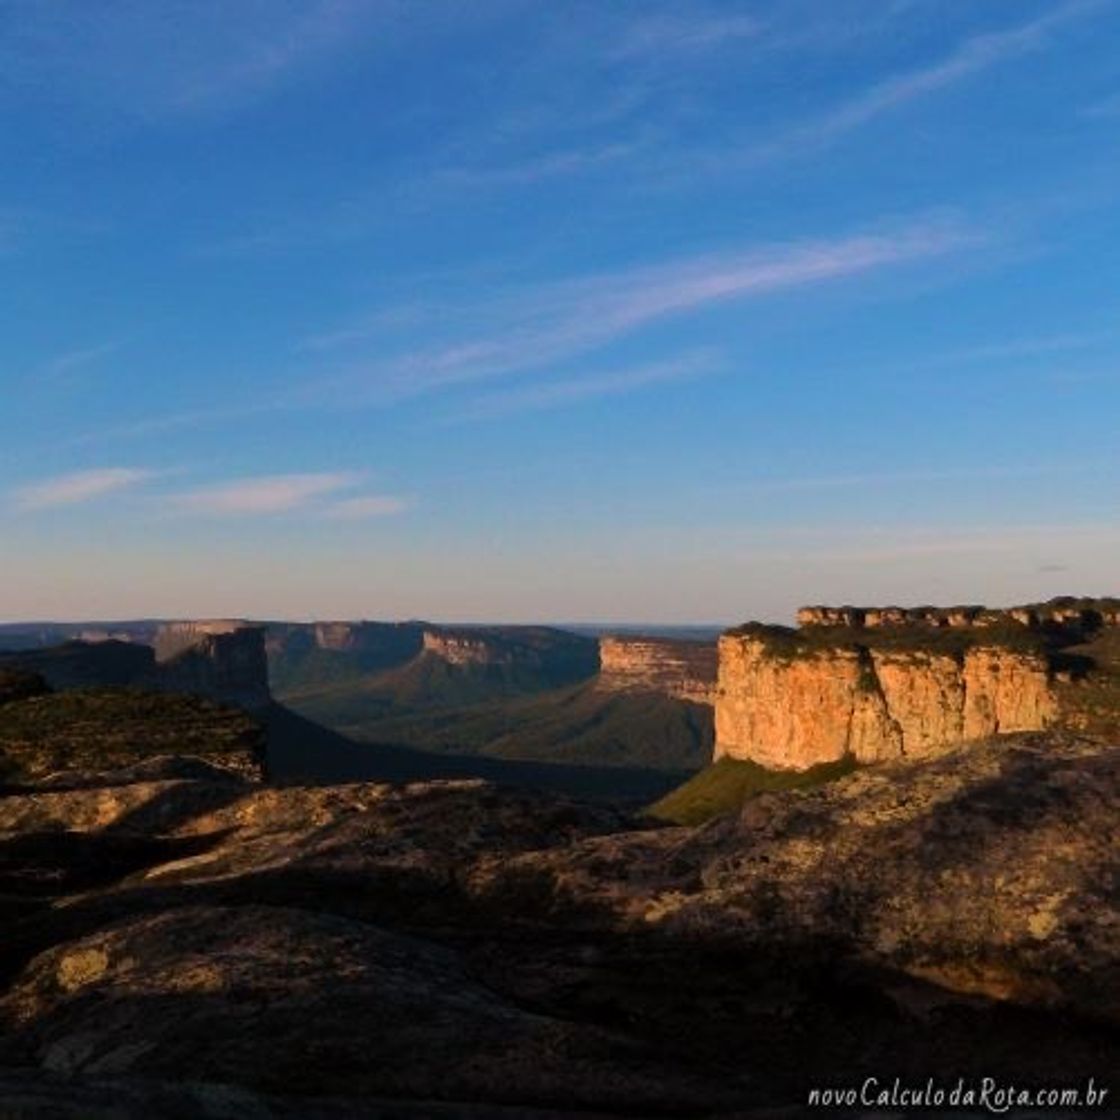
(364, 507)
(277, 48)
(64, 365)
(548, 325)
(78, 487)
(973, 56)
(1106, 108)
(172, 421)
(521, 332)
(390, 318)
(567, 161)
(138, 60)
(576, 390)
(263, 494)
(675, 34)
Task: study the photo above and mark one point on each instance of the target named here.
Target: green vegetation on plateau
(787, 644)
(511, 712)
(426, 681)
(19, 684)
(107, 728)
(583, 725)
(1089, 691)
(727, 784)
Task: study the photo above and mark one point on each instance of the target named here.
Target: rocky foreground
(180, 940)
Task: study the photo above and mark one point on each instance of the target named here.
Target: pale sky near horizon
(527, 310)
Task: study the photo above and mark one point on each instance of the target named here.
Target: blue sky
(528, 310)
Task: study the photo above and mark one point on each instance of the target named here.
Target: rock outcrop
(685, 670)
(78, 664)
(299, 653)
(879, 683)
(1065, 613)
(20, 684)
(553, 654)
(97, 729)
(793, 712)
(181, 942)
(222, 659)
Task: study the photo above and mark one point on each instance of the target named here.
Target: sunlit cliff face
(874, 706)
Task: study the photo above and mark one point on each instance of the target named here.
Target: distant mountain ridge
(528, 693)
(223, 660)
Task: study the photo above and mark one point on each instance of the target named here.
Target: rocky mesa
(684, 670)
(221, 659)
(874, 684)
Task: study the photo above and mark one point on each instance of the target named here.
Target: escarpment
(684, 670)
(554, 655)
(222, 660)
(1065, 613)
(875, 684)
(300, 651)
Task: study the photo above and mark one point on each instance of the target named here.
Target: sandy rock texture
(685, 670)
(873, 704)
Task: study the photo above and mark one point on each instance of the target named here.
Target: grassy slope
(574, 725)
(434, 708)
(299, 750)
(510, 712)
(426, 681)
(1092, 703)
(725, 785)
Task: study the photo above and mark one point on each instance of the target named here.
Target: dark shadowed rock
(85, 731)
(430, 947)
(20, 684)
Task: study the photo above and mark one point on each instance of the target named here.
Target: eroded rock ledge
(221, 659)
(453, 949)
(1064, 613)
(876, 684)
(682, 669)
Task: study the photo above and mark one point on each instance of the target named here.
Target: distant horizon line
(310, 621)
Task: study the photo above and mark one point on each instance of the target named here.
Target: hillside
(108, 728)
(729, 783)
(577, 725)
(300, 750)
(434, 706)
(426, 681)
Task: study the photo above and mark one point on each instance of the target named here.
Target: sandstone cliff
(684, 670)
(556, 655)
(792, 712)
(303, 653)
(878, 683)
(1068, 614)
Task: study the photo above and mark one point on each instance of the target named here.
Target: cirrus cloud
(278, 493)
(78, 487)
